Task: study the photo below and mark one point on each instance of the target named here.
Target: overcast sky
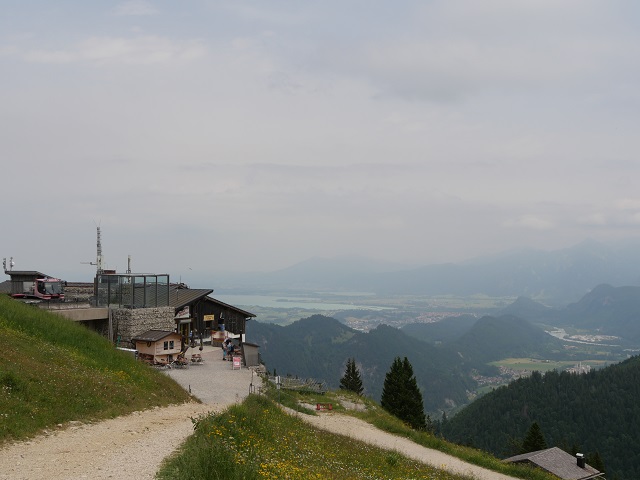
(237, 136)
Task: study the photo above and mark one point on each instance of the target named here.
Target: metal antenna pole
(99, 256)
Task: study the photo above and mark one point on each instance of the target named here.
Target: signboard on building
(208, 318)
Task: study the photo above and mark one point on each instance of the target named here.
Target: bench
(324, 406)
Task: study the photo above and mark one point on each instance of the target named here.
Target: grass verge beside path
(372, 413)
(53, 371)
(258, 440)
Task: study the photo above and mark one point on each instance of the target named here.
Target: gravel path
(133, 446)
(126, 447)
(360, 430)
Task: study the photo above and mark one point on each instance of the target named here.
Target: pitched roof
(230, 307)
(152, 336)
(558, 462)
(181, 297)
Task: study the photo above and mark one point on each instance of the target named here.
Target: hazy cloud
(251, 136)
(136, 7)
(140, 50)
(628, 204)
(531, 222)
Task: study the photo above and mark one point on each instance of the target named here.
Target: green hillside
(256, 440)
(53, 371)
(529, 309)
(598, 411)
(444, 331)
(610, 310)
(319, 347)
(494, 338)
(605, 310)
(480, 341)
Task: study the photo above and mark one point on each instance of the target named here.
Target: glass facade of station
(132, 290)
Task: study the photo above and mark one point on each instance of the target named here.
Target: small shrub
(9, 382)
(393, 458)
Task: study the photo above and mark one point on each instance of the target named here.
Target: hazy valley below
(464, 343)
(594, 329)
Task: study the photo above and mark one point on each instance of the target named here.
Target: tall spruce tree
(351, 379)
(533, 440)
(401, 396)
(595, 460)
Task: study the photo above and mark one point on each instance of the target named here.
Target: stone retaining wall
(78, 291)
(129, 322)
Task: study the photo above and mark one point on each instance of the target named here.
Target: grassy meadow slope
(54, 371)
(257, 439)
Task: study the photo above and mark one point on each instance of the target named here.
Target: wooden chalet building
(559, 463)
(157, 347)
(197, 312)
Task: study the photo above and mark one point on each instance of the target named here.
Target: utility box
(251, 354)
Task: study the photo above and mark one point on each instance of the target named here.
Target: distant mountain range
(318, 347)
(445, 353)
(605, 310)
(496, 338)
(557, 277)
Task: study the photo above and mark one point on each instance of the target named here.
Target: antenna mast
(99, 268)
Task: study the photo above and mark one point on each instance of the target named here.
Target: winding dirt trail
(360, 430)
(133, 446)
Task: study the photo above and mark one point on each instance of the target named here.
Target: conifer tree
(595, 460)
(351, 379)
(401, 396)
(534, 439)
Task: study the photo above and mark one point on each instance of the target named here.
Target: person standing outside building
(226, 345)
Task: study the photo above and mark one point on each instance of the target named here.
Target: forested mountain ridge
(479, 341)
(446, 355)
(319, 347)
(494, 338)
(598, 411)
(528, 309)
(611, 310)
(606, 309)
(444, 331)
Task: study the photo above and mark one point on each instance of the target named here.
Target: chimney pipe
(580, 460)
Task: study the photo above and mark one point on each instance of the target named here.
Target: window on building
(170, 344)
(166, 345)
